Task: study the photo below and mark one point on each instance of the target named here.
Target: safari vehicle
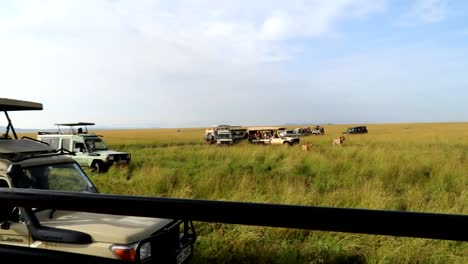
(225, 134)
(211, 134)
(224, 137)
(90, 150)
(317, 130)
(289, 133)
(96, 238)
(356, 130)
(270, 136)
(238, 132)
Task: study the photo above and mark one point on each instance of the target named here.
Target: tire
(98, 167)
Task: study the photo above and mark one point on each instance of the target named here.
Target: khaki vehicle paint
(100, 238)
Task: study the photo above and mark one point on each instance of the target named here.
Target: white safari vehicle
(90, 150)
(225, 134)
(270, 136)
(46, 235)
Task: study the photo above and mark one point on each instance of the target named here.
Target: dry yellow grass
(410, 167)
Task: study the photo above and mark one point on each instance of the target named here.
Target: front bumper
(119, 159)
(173, 244)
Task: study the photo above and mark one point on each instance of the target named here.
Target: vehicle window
(66, 178)
(79, 147)
(95, 144)
(66, 144)
(59, 177)
(46, 140)
(54, 143)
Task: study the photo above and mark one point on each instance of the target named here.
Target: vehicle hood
(109, 152)
(117, 229)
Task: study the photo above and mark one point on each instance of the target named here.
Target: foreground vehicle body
(90, 150)
(97, 238)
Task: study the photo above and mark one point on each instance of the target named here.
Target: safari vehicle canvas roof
(265, 128)
(7, 104)
(22, 146)
(76, 124)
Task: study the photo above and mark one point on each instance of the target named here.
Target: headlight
(111, 157)
(128, 252)
(125, 252)
(145, 251)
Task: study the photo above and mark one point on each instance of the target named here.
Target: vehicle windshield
(224, 136)
(94, 144)
(57, 177)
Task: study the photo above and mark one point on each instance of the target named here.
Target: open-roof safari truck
(270, 136)
(90, 150)
(90, 237)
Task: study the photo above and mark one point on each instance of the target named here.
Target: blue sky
(199, 63)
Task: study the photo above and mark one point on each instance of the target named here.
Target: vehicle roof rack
(71, 126)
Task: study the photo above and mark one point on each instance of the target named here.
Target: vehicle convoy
(29, 163)
(270, 136)
(90, 150)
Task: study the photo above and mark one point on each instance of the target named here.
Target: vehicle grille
(174, 241)
(165, 245)
(121, 158)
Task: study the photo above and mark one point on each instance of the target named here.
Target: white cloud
(275, 27)
(243, 28)
(163, 62)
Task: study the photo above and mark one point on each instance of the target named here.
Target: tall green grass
(409, 167)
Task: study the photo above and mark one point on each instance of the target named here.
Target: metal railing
(364, 221)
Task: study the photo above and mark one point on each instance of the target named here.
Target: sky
(196, 63)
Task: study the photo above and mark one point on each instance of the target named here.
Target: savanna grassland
(409, 167)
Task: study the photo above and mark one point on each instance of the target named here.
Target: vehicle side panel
(38, 255)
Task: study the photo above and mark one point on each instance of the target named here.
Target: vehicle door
(81, 153)
(276, 139)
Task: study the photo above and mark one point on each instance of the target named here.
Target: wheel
(97, 167)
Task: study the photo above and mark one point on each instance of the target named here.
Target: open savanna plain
(407, 167)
